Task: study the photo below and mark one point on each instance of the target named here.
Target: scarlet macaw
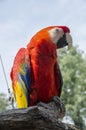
(35, 73)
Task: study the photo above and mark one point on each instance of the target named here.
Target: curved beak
(66, 40)
(69, 40)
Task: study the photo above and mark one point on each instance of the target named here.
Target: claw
(41, 104)
(59, 104)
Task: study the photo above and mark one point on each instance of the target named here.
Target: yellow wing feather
(20, 95)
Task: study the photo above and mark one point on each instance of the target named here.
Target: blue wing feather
(26, 78)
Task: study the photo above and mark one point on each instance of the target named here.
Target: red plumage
(45, 71)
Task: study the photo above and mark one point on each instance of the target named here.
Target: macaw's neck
(42, 46)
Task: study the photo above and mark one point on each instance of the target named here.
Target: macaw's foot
(60, 105)
(46, 106)
(55, 106)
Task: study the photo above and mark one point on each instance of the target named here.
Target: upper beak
(69, 40)
(64, 41)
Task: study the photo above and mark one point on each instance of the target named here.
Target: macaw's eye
(57, 30)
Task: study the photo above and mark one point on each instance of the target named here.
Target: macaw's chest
(43, 77)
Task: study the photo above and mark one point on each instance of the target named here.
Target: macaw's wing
(58, 78)
(20, 76)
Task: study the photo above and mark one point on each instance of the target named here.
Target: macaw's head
(60, 35)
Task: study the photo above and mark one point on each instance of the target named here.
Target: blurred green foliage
(73, 67)
(3, 102)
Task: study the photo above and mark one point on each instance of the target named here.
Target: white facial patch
(69, 40)
(56, 34)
